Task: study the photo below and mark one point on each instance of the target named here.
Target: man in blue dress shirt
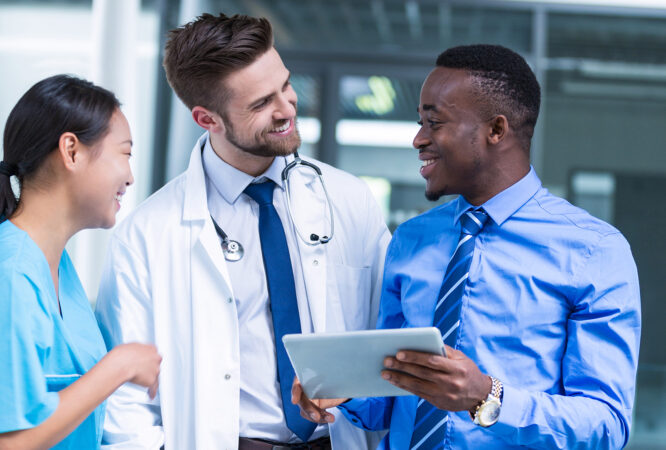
(546, 343)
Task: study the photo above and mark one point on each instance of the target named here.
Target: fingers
(452, 353)
(423, 374)
(417, 386)
(152, 391)
(296, 391)
(317, 415)
(309, 410)
(407, 361)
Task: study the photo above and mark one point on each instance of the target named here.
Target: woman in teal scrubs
(67, 147)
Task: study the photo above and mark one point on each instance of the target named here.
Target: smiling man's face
(260, 117)
(451, 141)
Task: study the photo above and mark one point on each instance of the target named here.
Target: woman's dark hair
(53, 106)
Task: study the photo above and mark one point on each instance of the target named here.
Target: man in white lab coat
(167, 280)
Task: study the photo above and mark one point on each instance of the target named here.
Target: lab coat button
(227, 376)
(315, 262)
(230, 300)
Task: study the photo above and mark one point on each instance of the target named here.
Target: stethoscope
(234, 251)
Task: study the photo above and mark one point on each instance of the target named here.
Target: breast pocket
(88, 434)
(56, 383)
(350, 288)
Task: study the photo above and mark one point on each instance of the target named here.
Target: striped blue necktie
(430, 422)
(282, 295)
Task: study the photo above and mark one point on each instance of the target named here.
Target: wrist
(482, 395)
(487, 412)
(120, 365)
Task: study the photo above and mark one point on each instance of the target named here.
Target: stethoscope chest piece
(233, 250)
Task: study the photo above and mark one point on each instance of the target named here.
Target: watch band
(497, 389)
(494, 397)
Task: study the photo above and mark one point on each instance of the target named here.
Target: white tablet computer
(349, 364)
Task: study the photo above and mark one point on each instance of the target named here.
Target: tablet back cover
(349, 364)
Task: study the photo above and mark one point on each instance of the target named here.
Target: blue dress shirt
(551, 308)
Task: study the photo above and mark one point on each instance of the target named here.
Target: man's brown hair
(201, 54)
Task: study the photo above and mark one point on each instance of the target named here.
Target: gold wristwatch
(487, 412)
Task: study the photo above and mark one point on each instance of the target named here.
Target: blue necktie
(430, 422)
(282, 295)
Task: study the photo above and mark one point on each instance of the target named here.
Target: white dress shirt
(261, 414)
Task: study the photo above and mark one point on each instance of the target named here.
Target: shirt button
(227, 377)
(230, 300)
(315, 262)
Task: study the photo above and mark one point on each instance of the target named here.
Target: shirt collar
(230, 182)
(506, 203)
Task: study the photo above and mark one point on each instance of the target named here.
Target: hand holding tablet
(344, 365)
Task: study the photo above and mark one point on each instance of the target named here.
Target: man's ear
(499, 128)
(69, 150)
(207, 119)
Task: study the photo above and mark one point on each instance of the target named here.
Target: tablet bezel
(349, 364)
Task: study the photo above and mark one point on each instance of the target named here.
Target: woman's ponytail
(8, 200)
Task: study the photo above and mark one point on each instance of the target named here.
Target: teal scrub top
(40, 351)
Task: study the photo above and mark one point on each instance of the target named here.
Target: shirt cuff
(514, 407)
(348, 409)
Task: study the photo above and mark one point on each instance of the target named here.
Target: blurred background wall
(357, 66)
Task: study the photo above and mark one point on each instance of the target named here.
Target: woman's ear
(69, 150)
(499, 128)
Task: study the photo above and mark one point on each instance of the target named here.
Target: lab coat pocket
(349, 288)
(56, 383)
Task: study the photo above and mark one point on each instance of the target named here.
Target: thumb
(296, 391)
(452, 353)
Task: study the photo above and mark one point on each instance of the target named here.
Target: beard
(433, 196)
(263, 145)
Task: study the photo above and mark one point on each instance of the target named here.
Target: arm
(124, 312)
(132, 362)
(598, 366)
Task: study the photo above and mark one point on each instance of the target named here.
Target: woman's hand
(136, 363)
(141, 362)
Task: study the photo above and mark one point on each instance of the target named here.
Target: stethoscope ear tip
(315, 238)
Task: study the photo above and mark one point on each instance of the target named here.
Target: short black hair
(504, 82)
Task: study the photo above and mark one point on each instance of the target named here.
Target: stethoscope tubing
(314, 238)
(233, 250)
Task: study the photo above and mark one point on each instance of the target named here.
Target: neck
(238, 159)
(44, 216)
(502, 177)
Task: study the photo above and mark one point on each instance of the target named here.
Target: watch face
(489, 413)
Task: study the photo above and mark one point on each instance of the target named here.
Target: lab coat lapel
(214, 317)
(195, 210)
(308, 203)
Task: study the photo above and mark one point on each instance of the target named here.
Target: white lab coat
(166, 282)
